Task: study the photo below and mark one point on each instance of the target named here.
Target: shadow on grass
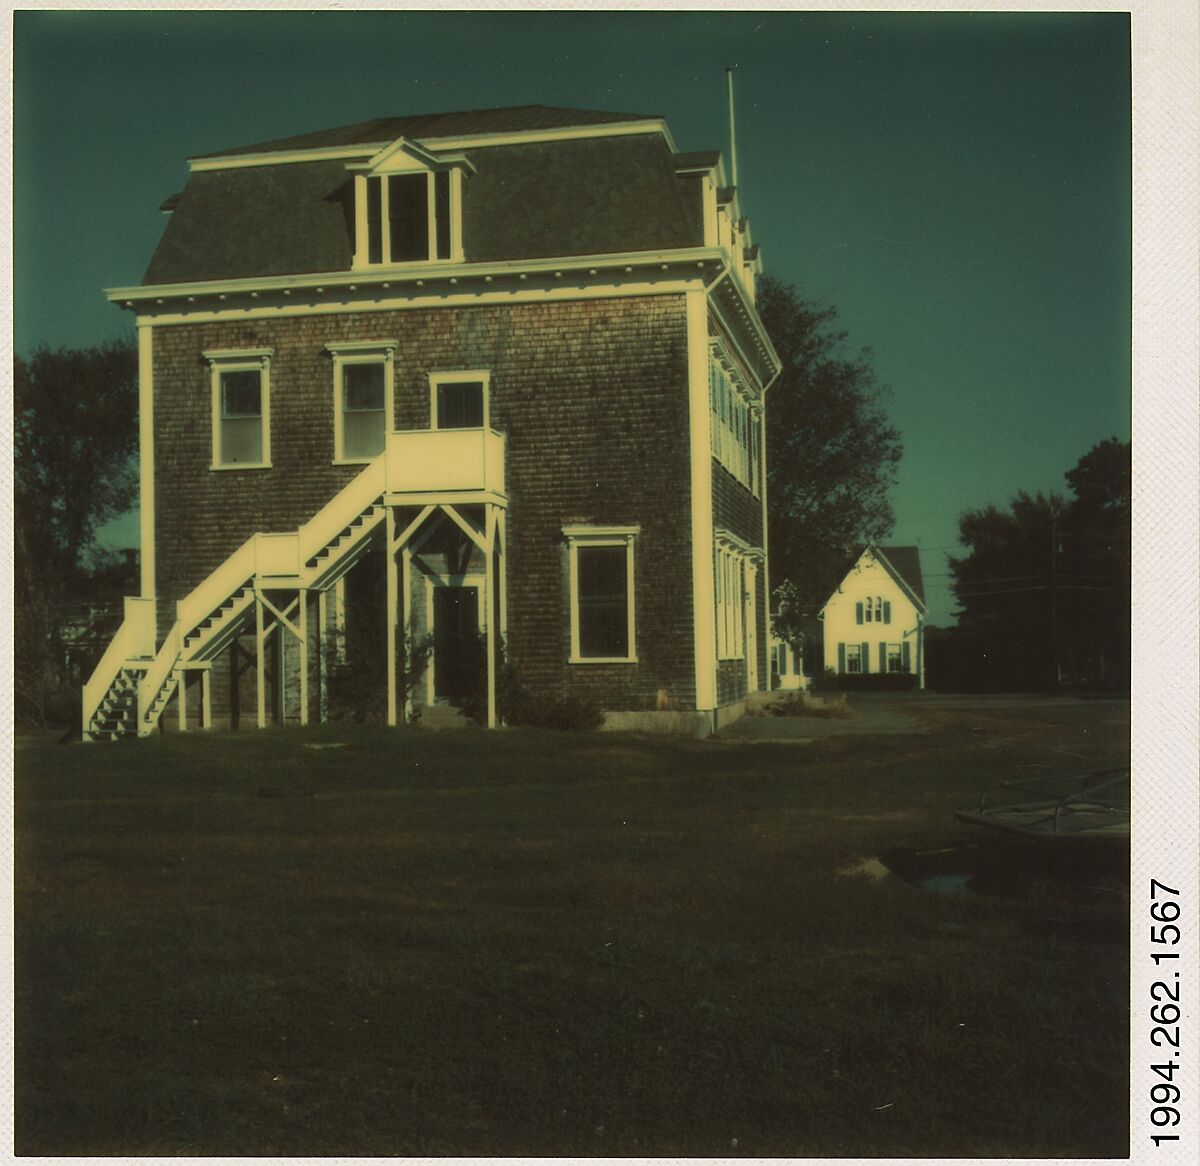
(542, 944)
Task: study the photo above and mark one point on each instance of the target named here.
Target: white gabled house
(874, 623)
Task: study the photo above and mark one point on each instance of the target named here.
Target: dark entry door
(457, 660)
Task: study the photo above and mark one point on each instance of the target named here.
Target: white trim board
(369, 150)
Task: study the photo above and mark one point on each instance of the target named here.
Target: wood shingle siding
(575, 198)
(592, 396)
(261, 220)
(533, 201)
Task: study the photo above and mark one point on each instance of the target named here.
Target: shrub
(358, 689)
(802, 704)
(878, 682)
(516, 705)
(568, 712)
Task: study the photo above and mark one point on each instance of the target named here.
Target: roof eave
(434, 144)
(899, 579)
(698, 259)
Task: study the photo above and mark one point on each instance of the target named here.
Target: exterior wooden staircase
(132, 685)
(135, 680)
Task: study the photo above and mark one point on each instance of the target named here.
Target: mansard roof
(586, 194)
(516, 119)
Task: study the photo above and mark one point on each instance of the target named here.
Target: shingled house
(487, 385)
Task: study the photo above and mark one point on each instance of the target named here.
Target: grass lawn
(543, 943)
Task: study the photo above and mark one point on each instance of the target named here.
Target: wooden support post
(406, 618)
(302, 634)
(260, 661)
(502, 545)
(490, 613)
(206, 713)
(390, 519)
(181, 690)
(322, 655)
(339, 620)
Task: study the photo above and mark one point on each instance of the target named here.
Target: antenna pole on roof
(732, 132)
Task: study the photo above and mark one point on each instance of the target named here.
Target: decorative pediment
(405, 156)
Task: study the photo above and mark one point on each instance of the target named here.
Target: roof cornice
(367, 150)
(427, 275)
(739, 313)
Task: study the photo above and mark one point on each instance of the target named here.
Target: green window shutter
(866, 657)
(882, 656)
(887, 611)
(905, 657)
(858, 616)
(841, 659)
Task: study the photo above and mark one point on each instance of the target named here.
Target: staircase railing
(153, 679)
(413, 462)
(342, 509)
(134, 639)
(208, 595)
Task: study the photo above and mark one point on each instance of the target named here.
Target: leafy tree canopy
(832, 453)
(74, 438)
(1043, 589)
(74, 441)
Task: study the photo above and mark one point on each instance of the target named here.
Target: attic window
(407, 218)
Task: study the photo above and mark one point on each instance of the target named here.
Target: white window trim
(458, 376)
(223, 360)
(731, 603)
(734, 412)
(362, 245)
(860, 669)
(601, 536)
(346, 352)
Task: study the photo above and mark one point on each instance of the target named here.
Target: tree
(831, 458)
(1044, 588)
(74, 441)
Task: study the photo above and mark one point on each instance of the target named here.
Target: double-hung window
(873, 609)
(893, 658)
(362, 398)
(601, 593)
(241, 414)
(733, 421)
(459, 400)
(730, 578)
(854, 660)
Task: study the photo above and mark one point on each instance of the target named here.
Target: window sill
(242, 466)
(602, 660)
(354, 461)
(408, 264)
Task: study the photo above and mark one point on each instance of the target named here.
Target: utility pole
(1055, 669)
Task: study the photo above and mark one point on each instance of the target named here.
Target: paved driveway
(883, 714)
(875, 714)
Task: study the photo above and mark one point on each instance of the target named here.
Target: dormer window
(408, 218)
(408, 207)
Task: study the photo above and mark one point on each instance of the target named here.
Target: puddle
(947, 884)
(1056, 892)
(949, 870)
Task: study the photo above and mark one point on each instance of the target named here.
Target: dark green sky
(957, 184)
